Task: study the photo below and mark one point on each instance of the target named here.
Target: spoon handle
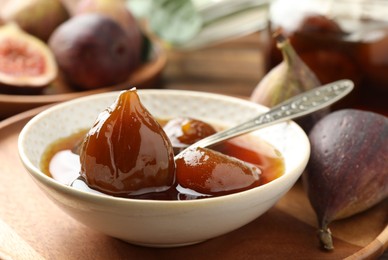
(297, 106)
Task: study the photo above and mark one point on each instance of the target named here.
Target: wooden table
(232, 68)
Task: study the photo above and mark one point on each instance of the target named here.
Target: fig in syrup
(127, 152)
(212, 173)
(183, 131)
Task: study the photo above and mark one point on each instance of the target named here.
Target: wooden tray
(32, 226)
(146, 76)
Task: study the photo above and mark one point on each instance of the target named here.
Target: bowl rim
(37, 174)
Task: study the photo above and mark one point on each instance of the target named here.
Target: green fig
(348, 169)
(289, 78)
(37, 17)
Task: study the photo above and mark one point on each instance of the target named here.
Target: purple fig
(348, 169)
(92, 51)
(118, 11)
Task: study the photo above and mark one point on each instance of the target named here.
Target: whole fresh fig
(289, 78)
(127, 152)
(92, 51)
(37, 17)
(118, 11)
(348, 168)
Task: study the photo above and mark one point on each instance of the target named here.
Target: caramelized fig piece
(212, 173)
(348, 168)
(127, 152)
(185, 131)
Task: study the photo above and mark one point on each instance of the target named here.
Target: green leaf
(175, 21)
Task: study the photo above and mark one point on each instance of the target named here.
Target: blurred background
(233, 47)
(221, 46)
(218, 46)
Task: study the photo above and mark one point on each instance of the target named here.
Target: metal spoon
(297, 106)
(300, 105)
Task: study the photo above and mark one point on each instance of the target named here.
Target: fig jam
(61, 162)
(337, 40)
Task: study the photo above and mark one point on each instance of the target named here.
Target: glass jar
(338, 39)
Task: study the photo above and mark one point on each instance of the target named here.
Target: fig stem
(288, 52)
(279, 37)
(325, 238)
(290, 57)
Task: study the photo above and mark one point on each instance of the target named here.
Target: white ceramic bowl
(163, 223)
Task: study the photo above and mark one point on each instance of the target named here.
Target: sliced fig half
(27, 65)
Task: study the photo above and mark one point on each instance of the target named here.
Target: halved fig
(27, 65)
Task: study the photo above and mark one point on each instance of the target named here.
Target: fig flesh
(92, 51)
(126, 152)
(348, 169)
(289, 78)
(37, 17)
(212, 173)
(27, 65)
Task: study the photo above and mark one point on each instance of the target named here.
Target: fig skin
(126, 152)
(37, 17)
(348, 169)
(118, 11)
(289, 78)
(32, 69)
(92, 51)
